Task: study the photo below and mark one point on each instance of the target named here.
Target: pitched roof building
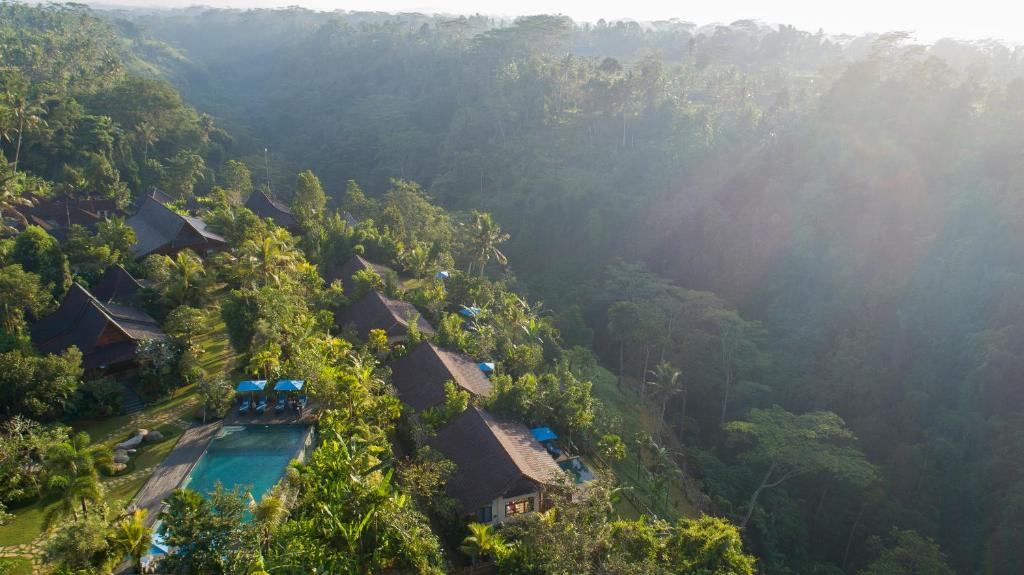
(355, 264)
(116, 285)
(502, 470)
(159, 229)
(377, 311)
(107, 334)
(266, 207)
(57, 215)
(420, 376)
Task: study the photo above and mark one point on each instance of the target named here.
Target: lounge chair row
(260, 405)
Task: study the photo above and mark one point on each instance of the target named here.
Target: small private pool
(249, 456)
(579, 471)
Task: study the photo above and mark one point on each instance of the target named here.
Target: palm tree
(270, 259)
(267, 514)
(668, 381)
(74, 470)
(482, 542)
(147, 135)
(11, 197)
(186, 274)
(266, 360)
(131, 537)
(487, 235)
(27, 115)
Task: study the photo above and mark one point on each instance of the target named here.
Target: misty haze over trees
(803, 254)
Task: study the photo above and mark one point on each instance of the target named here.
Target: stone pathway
(34, 551)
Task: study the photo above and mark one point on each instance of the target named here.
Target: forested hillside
(799, 254)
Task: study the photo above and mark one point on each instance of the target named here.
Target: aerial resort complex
(297, 291)
(227, 380)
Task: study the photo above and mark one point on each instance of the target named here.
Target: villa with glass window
(502, 469)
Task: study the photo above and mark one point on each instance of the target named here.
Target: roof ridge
(98, 305)
(494, 424)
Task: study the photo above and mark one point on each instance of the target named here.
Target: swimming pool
(576, 468)
(251, 456)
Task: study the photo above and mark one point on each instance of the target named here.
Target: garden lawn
(217, 357)
(15, 566)
(28, 522)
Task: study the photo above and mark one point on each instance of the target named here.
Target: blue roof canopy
(289, 385)
(251, 385)
(470, 311)
(486, 367)
(442, 275)
(543, 434)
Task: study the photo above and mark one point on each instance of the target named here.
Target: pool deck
(169, 475)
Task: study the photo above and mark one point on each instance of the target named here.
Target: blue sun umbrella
(289, 385)
(486, 367)
(470, 311)
(442, 275)
(252, 385)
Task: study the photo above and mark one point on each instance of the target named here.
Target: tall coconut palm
(27, 114)
(73, 466)
(146, 134)
(131, 537)
(482, 542)
(668, 383)
(486, 237)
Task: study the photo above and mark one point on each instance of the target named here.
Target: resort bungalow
(57, 215)
(116, 285)
(161, 230)
(356, 263)
(377, 311)
(264, 206)
(502, 470)
(106, 334)
(420, 376)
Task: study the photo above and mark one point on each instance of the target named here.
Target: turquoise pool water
(250, 456)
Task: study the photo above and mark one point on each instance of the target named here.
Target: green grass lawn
(27, 523)
(625, 405)
(15, 566)
(217, 357)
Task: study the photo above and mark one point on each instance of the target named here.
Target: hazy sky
(928, 19)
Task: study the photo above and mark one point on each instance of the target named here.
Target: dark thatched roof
(116, 285)
(377, 311)
(57, 214)
(82, 320)
(266, 207)
(356, 263)
(495, 458)
(421, 375)
(161, 229)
